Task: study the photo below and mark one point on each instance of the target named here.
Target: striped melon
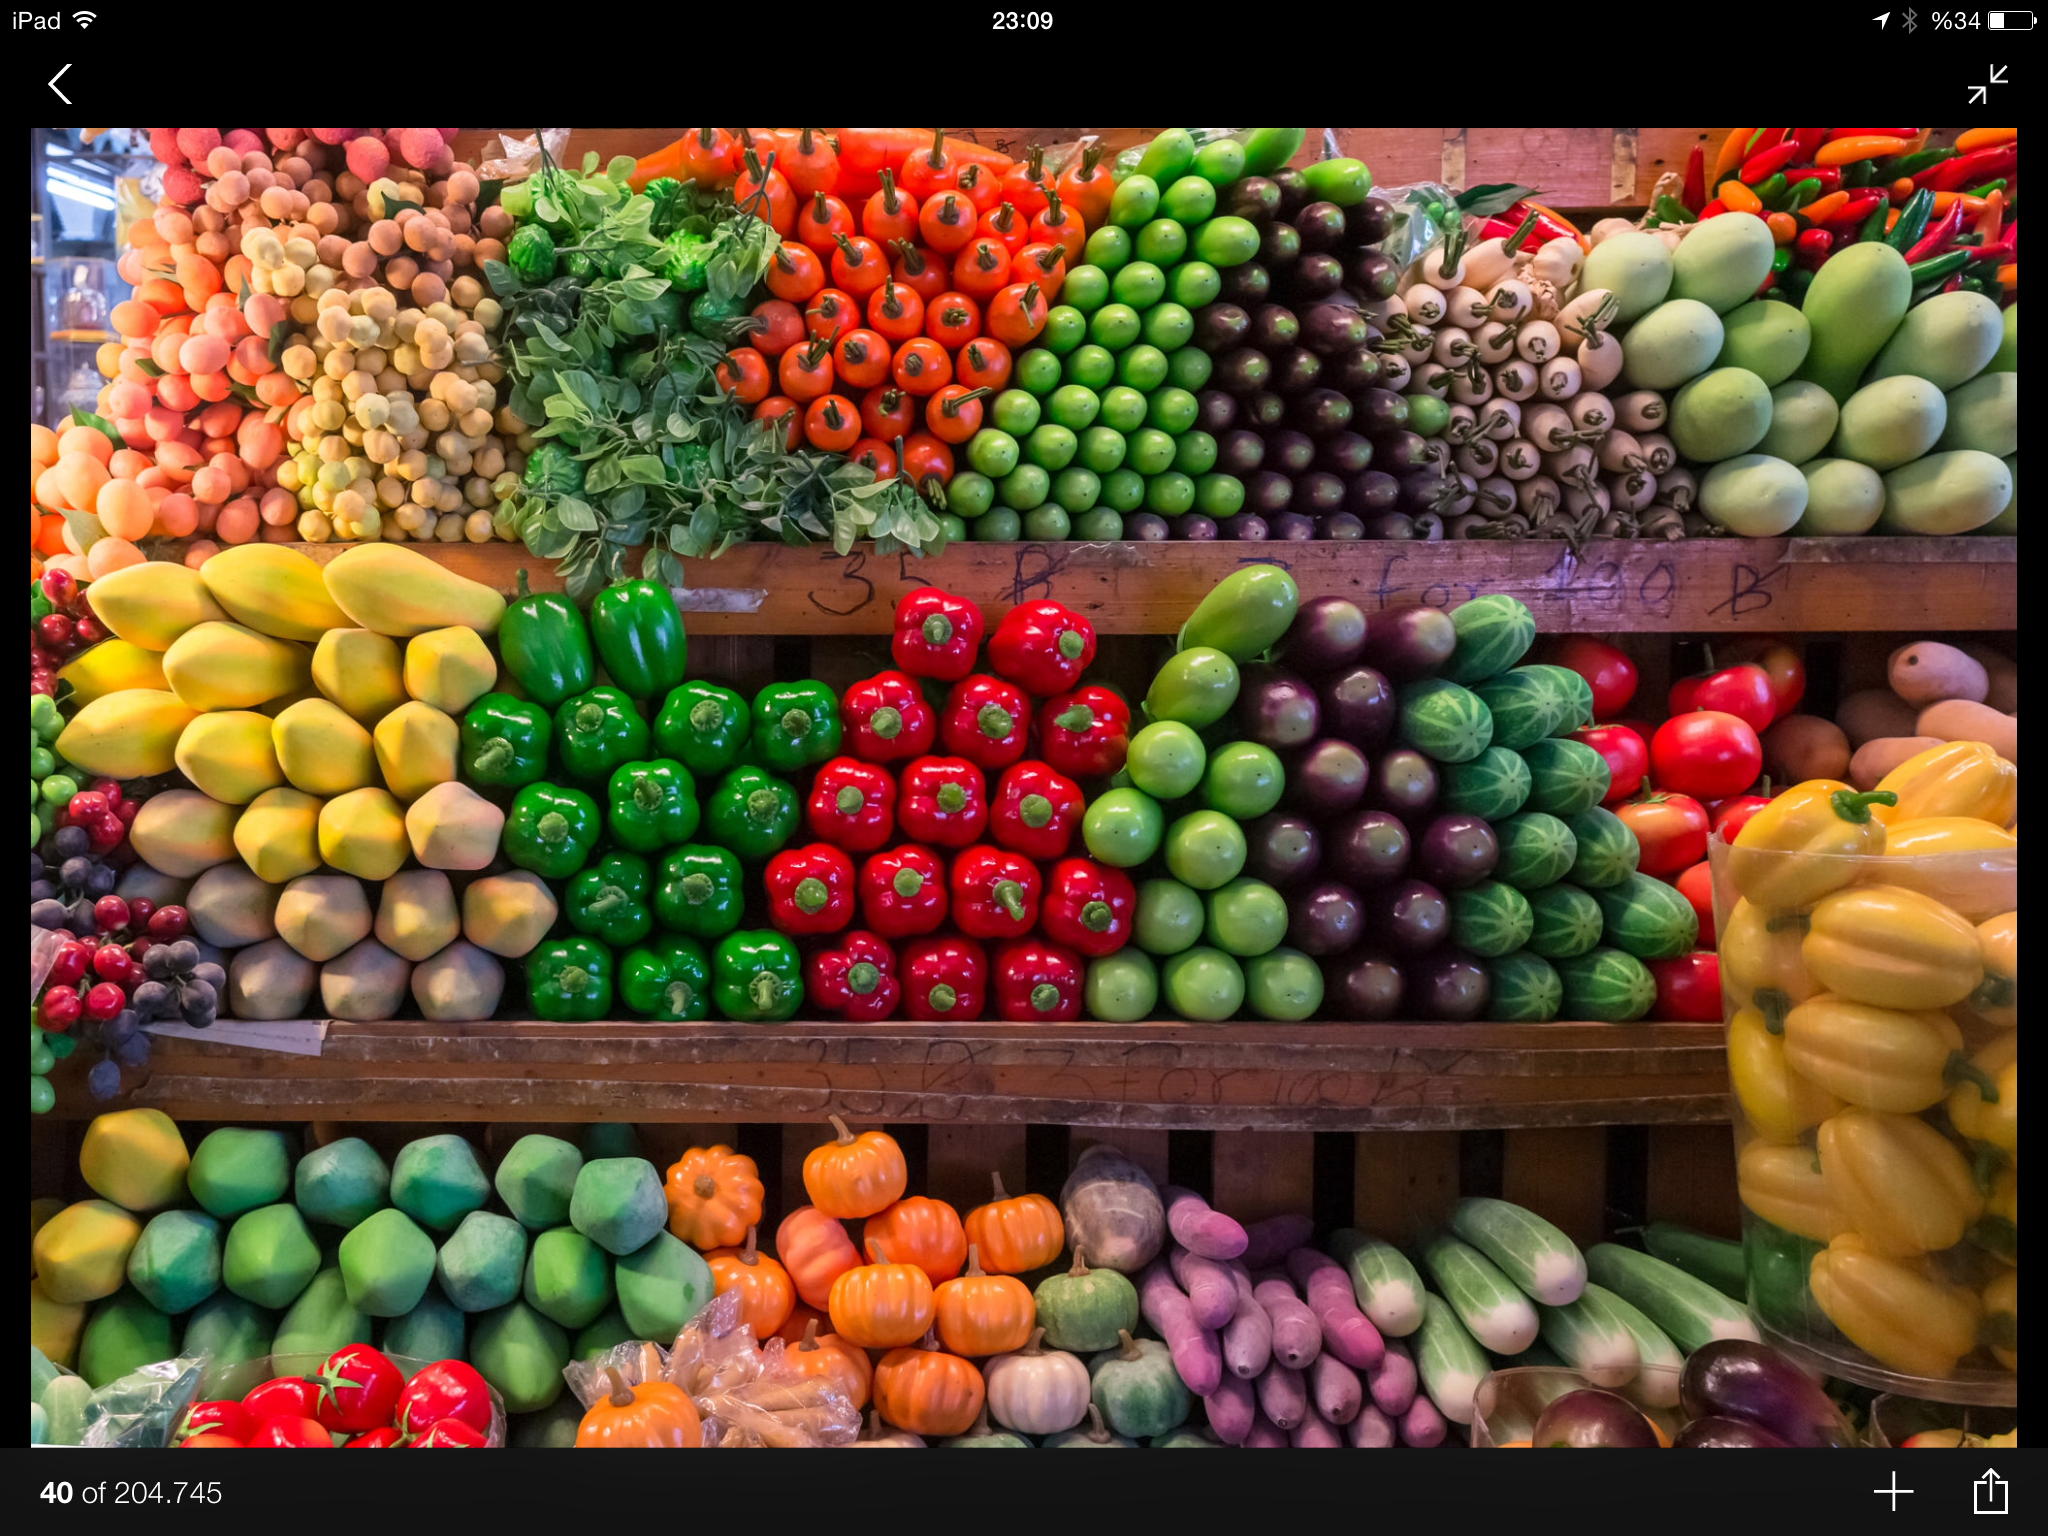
(1493, 785)
(1494, 632)
(1564, 921)
(1536, 849)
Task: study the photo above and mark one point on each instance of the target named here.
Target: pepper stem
(679, 999)
(1034, 810)
(849, 801)
(811, 894)
(994, 721)
(648, 792)
(707, 715)
(494, 756)
(938, 629)
(886, 722)
(589, 717)
(1096, 917)
(552, 828)
(1076, 718)
(1072, 643)
(941, 998)
(607, 898)
(762, 805)
(1773, 1004)
(952, 798)
(862, 977)
(1009, 895)
(1851, 806)
(796, 723)
(839, 1125)
(1045, 997)
(698, 889)
(908, 883)
(622, 1393)
(574, 980)
(764, 991)
(706, 1186)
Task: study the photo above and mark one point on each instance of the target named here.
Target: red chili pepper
(857, 980)
(943, 800)
(1713, 210)
(358, 1389)
(1043, 647)
(1694, 192)
(448, 1435)
(986, 720)
(1871, 133)
(1812, 248)
(1035, 810)
(1968, 170)
(1764, 164)
(903, 892)
(1862, 203)
(1086, 733)
(1939, 236)
(1088, 906)
(222, 1416)
(1829, 176)
(887, 718)
(2007, 249)
(945, 980)
(853, 805)
(810, 889)
(1808, 142)
(1038, 983)
(995, 893)
(937, 635)
(1508, 220)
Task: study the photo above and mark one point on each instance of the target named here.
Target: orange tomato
(885, 414)
(777, 408)
(1024, 183)
(891, 214)
(1044, 264)
(1017, 314)
(953, 414)
(806, 371)
(795, 273)
(982, 269)
(896, 311)
(1059, 226)
(916, 269)
(779, 325)
(710, 156)
(984, 362)
(862, 358)
(947, 222)
(927, 172)
(1006, 224)
(1086, 187)
(831, 311)
(765, 192)
(922, 366)
(858, 266)
(822, 221)
(981, 187)
(810, 162)
(832, 422)
(744, 373)
(952, 320)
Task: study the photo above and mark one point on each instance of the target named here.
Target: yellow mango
(270, 709)
(1905, 1316)
(363, 833)
(135, 1158)
(322, 915)
(153, 603)
(228, 755)
(416, 916)
(359, 670)
(279, 834)
(274, 590)
(454, 827)
(54, 1326)
(508, 914)
(39, 1214)
(82, 1254)
(230, 666)
(416, 747)
(322, 750)
(110, 666)
(183, 834)
(449, 668)
(398, 591)
(132, 734)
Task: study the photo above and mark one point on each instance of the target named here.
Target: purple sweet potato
(1267, 1242)
(1334, 1388)
(1265, 1436)
(1199, 1229)
(1370, 1431)
(1422, 1426)
(1297, 1336)
(1347, 1332)
(1392, 1381)
(1196, 1354)
(1233, 1408)
(1283, 1395)
(1314, 1433)
(1248, 1336)
(1211, 1288)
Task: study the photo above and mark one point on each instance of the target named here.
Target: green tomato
(1283, 984)
(1203, 984)
(993, 451)
(1219, 495)
(1151, 451)
(1142, 367)
(1049, 524)
(1073, 406)
(1077, 488)
(1134, 203)
(1015, 411)
(1205, 849)
(1193, 283)
(1243, 779)
(1123, 490)
(1197, 687)
(1162, 240)
(1169, 494)
(1110, 247)
(1172, 410)
(1168, 917)
(1123, 408)
(1002, 526)
(1122, 988)
(1102, 449)
(1169, 326)
(1227, 241)
(1050, 446)
(1190, 200)
(1246, 917)
(1037, 372)
(1220, 162)
(1122, 827)
(971, 493)
(955, 526)
(1114, 326)
(1427, 415)
(1190, 368)
(1065, 329)
(1086, 288)
(1090, 366)
(1102, 525)
(1140, 284)
(1194, 452)
(1024, 487)
(1165, 759)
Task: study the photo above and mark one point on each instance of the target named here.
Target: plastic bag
(519, 158)
(142, 1410)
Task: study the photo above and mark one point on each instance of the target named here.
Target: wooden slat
(1256, 1174)
(1406, 1183)
(961, 1158)
(1692, 1178)
(1562, 1174)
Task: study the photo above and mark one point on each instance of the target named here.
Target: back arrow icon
(53, 84)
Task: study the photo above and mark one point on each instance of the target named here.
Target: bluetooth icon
(1911, 25)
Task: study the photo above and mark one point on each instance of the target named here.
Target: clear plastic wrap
(517, 158)
(142, 1410)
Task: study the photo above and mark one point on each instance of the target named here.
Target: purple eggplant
(1427, 489)
(1341, 526)
(1294, 191)
(1242, 370)
(1215, 411)
(1249, 283)
(1246, 528)
(1741, 1379)
(1344, 453)
(1430, 527)
(1380, 411)
(1325, 919)
(1319, 412)
(1276, 707)
(1411, 917)
(1146, 527)
(1327, 633)
(1455, 851)
(1263, 408)
(1367, 222)
(1369, 849)
(1331, 329)
(1369, 986)
(1274, 326)
(1252, 198)
(1389, 525)
(1221, 326)
(1291, 527)
(1402, 781)
(1290, 451)
(1409, 643)
(1355, 371)
(1268, 491)
(1315, 276)
(1448, 985)
(1359, 706)
(1279, 244)
(1318, 493)
(1715, 1433)
(1195, 526)
(1401, 449)
(1371, 491)
(1327, 777)
(1239, 452)
(1590, 1419)
(1321, 226)
(1372, 274)
(1295, 371)
(1282, 849)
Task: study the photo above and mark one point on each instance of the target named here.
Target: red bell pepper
(222, 1416)
(853, 805)
(358, 1389)
(995, 893)
(450, 1435)
(986, 721)
(810, 889)
(1035, 810)
(945, 980)
(857, 980)
(1088, 906)
(1766, 163)
(1085, 734)
(903, 892)
(887, 718)
(937, 635)
(1502, 226)
(1042, 647)
(944, 801)
(1038, 982)
(382, 1438)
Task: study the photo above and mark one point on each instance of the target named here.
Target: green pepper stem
(552, 828)
(848, 801)
(886, 722)
(862, 977)
(1961, 1069)
(1851, 806)
(941, 998)
(698, 889)
(1034, 810)
(589, 716)
(952, 798)
(1773, 1004)
(811, 894)
(680, 997)
(764, 991)
(763, 805)
(706, 716)
(1045, 997)
(648, 792)
(908, 883)
(1009, 895)
(994, 721)
(1072, 643)
(574, 979)
(607, 898)
(1096, 917)
(1076, 718)
(796, 723)
(938, 629)
(494, 756)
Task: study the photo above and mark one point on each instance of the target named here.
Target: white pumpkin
(1037, 1391)
(877, 1436)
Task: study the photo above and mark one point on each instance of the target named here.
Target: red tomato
(1007, 225)
(383, 1438)
(947, 222)
(1744, 692)
(781, 407)
(1706, 754)
(745, 373)
(952, 320)
(982, 269)
(764, 191)
(1732, 815)
(1671, 831)
(447, 1389)
(1627, 758)
(449, 1435)
(861, 358)
(823, 220)
(831, 311)
(1696, 885)
(953, 415)
(1608, 671)
(1043, 264)
(928, 172)
(891, 214)
(859, 266)
(1779, 660)
(984, 364)
(795, 273)
(1059, 226)
(925, 456)
(289, 1396)
(1688, 988)
(896, 311)
(291, 1434)
(806, 371)
(981, 187)
(211, 1440)
(1024, 183)
(919, 270)
(922, 366)
(224, 1417)
(358, 1389)
(888, 413)
(808, 160)
(1017, 314)
(876, 455)
(832, 422)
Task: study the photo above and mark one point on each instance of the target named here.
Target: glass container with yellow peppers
(1869, 948)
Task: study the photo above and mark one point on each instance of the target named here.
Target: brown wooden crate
(1145, 1148)
(1406, 1183)
(1562, 1176)
(1256, 1174)
(1692, 1178)
(962, 1157)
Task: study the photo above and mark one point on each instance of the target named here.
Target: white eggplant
(1599, 360)
(1472, 387)
(1591, 412)
(1536, 341)
(1511, 299)
(1641, 410)
(1453, 345)
(1560, 380)
(1517, 380)
(1659, 452)
(1494, 342)
(1424, 304)
(1478, 458)
(1618, 451)
(1501, 419)
(1589, 312)
(1549, 427)
(1519, 459)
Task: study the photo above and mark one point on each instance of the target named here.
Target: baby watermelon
(1449, 724)
(1493, 785)
(1564, 921)
(1494, 632)
(1648, 918)
(1606, 986)
(1490, 919)
(1565, 777)
(1607, 848)
(1526, 989)
(1578, 712)
(1536, 849)
(1526, 705)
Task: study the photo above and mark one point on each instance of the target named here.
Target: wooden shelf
(1128, 588)
(1168, 1076)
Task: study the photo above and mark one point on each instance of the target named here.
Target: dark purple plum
(1215, 411)
(1358, 706)
(1325, 919)
(1315, 276)
(1295, 371)
(1195, 526)
(1146, 527)
(1327, 633)
(1268, 491)
(1290, 451)
(1590, 1419)
(1279, 244)
(1318, 493)
(1455, 851)
(1398, 448)
(1371, 491)
(1282, 849)
(1368, 848)
(1274, 326)
(1221, 326)
(1294, 191)
(1367, 986)
(1321, 226)
(1344, 453)
(1341, 526)
(1409, 643)
(1409, 918)
(1241, 371)
(1291, 527)
(1388, 525)
(1355, 371)
(1263, 408)
(1380, 412)
(1367, 222)
(1247, 528)
(1252, 198)
(1372, 274)
(1319, 412)
(1331, 329)
(1277, 708)
(1247, 284)
(1239, 452)
(1402, 781)
(1327, 777)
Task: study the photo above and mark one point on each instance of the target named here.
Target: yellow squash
(1997, 998)
(1967, 865)
(1761, 965)
(362, 833)
(274, 590)
(397, 591)
(322, 750)
(183, 834)
(111, 666)
(230, 666)
(1887, 945)
(360, 671)
(1880, 1058)
(132, 734)
(449, 668)
(1985, 1106)
(1899, 1313)
(1784, 1186)
(279, 834)
(228, 755)
(1779, 1104)
(153, 603)
(1957, 778)
(416, 746)
(1897, 1181)
(1801, 845)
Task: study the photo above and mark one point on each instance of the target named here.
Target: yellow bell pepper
(1779, 1104)
(1985, 1106)
(2002, 1318)
(1957, 778)
(1798, 848)
(1965, 864)
(1997, 998)
(1784, 1185)
(1887, 945)
(1898, 1182)
(1761, 963)
(1880, 1058)
(1896, 1312)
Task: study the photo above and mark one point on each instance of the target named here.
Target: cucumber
(1448, 1360)
(1593, 1339)
(1656, 1379)
(1388, 1289)
(1716, 1260)
(1495, 1313)
(1691, 1311)
(1539, 1258)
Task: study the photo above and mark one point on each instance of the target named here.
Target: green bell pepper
(652, 804)
(702, 891)
(757, 977)
(505, 741)
(609, 899)
(796, 725)
(704, 727)
(1778, 1263)
(545, 644)
(551, 830)
(596, 731)
(570, 980)
(669, 979)
(639, 636)
(752, 812)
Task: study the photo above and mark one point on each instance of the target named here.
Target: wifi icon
(84, 18)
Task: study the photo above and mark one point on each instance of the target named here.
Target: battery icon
(2010, 21)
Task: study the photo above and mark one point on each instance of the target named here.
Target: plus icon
(1894, 1491)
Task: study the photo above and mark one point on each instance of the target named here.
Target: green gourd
(984, 1436)
(1092, 1436)
(1086, 1309)
(1137, 1388)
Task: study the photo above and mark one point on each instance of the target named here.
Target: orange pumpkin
(981, 1314)
(714, 1195)
(654, 1414)
(927, 1391)
(829, 1356)
(880, 1306)
(855, 1175)
(1017, 1235)
(816, 1251)
(801, 1316)
(766, 1296)
(919, 1231)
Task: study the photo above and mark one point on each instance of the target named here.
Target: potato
(1962, 720)
(1927, 672)
(1873, 712)
(365, 983)
(2004, 674)
(1876, 758)
(270, 980)
(1802, 747)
